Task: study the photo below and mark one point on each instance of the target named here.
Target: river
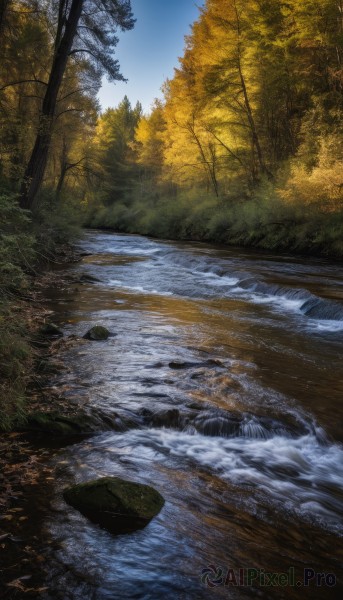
(223, 387)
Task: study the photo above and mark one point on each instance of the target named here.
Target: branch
(73, 165)
(79, 91)
(82, 50)
(69, 110)
(209, 130)
(22, 81)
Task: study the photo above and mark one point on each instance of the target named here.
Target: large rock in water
(118, 505)
(97, 334)
(56, 424)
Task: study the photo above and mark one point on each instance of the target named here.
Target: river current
(222, 386)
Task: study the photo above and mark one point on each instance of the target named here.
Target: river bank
(24, 473)
(263, 223)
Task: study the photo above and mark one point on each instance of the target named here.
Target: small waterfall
(252, 429)
(327, 310)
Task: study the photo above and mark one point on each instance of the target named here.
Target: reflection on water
(223, 384)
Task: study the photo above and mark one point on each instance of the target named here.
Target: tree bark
(36, 167)
(210, 168)
(251, 120)
(3, 9)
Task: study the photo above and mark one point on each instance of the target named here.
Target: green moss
(119, 505)
(97, 333)
(56, 424)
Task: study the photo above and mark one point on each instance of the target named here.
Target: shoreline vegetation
(256, 224)
(26, 255)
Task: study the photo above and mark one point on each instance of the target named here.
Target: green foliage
(15, 359)
(16, 259)
(24, 245)
(54, 224)
(16, 246)
(114, 150)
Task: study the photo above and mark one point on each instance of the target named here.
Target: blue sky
(149, 53)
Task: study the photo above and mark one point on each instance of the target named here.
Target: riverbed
(222, 387)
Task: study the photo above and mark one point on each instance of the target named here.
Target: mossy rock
(97, 334)
(56, 424)
(50, 329)
(116, 504)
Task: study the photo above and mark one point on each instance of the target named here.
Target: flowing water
(222, 387)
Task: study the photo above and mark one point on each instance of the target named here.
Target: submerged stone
(181, 364)
(88, 279)
(116, 504)
(97, 334)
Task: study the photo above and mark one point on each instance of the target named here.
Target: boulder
(56, 424)
(97, 334)
(116, 504)
(50, 329)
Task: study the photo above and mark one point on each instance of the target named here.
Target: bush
(16, 246)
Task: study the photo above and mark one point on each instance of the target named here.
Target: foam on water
(300, 475)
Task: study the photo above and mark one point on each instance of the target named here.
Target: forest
(245, 148)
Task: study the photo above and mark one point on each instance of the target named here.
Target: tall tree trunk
(36, 167)
(254, 134)
(208, 167)
(251, 120)
(3, 9)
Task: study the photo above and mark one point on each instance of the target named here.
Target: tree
(114, 144)
(25, 57)
(84, 29)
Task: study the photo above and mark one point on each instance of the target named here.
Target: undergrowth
(25, 245)
(264, 220)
